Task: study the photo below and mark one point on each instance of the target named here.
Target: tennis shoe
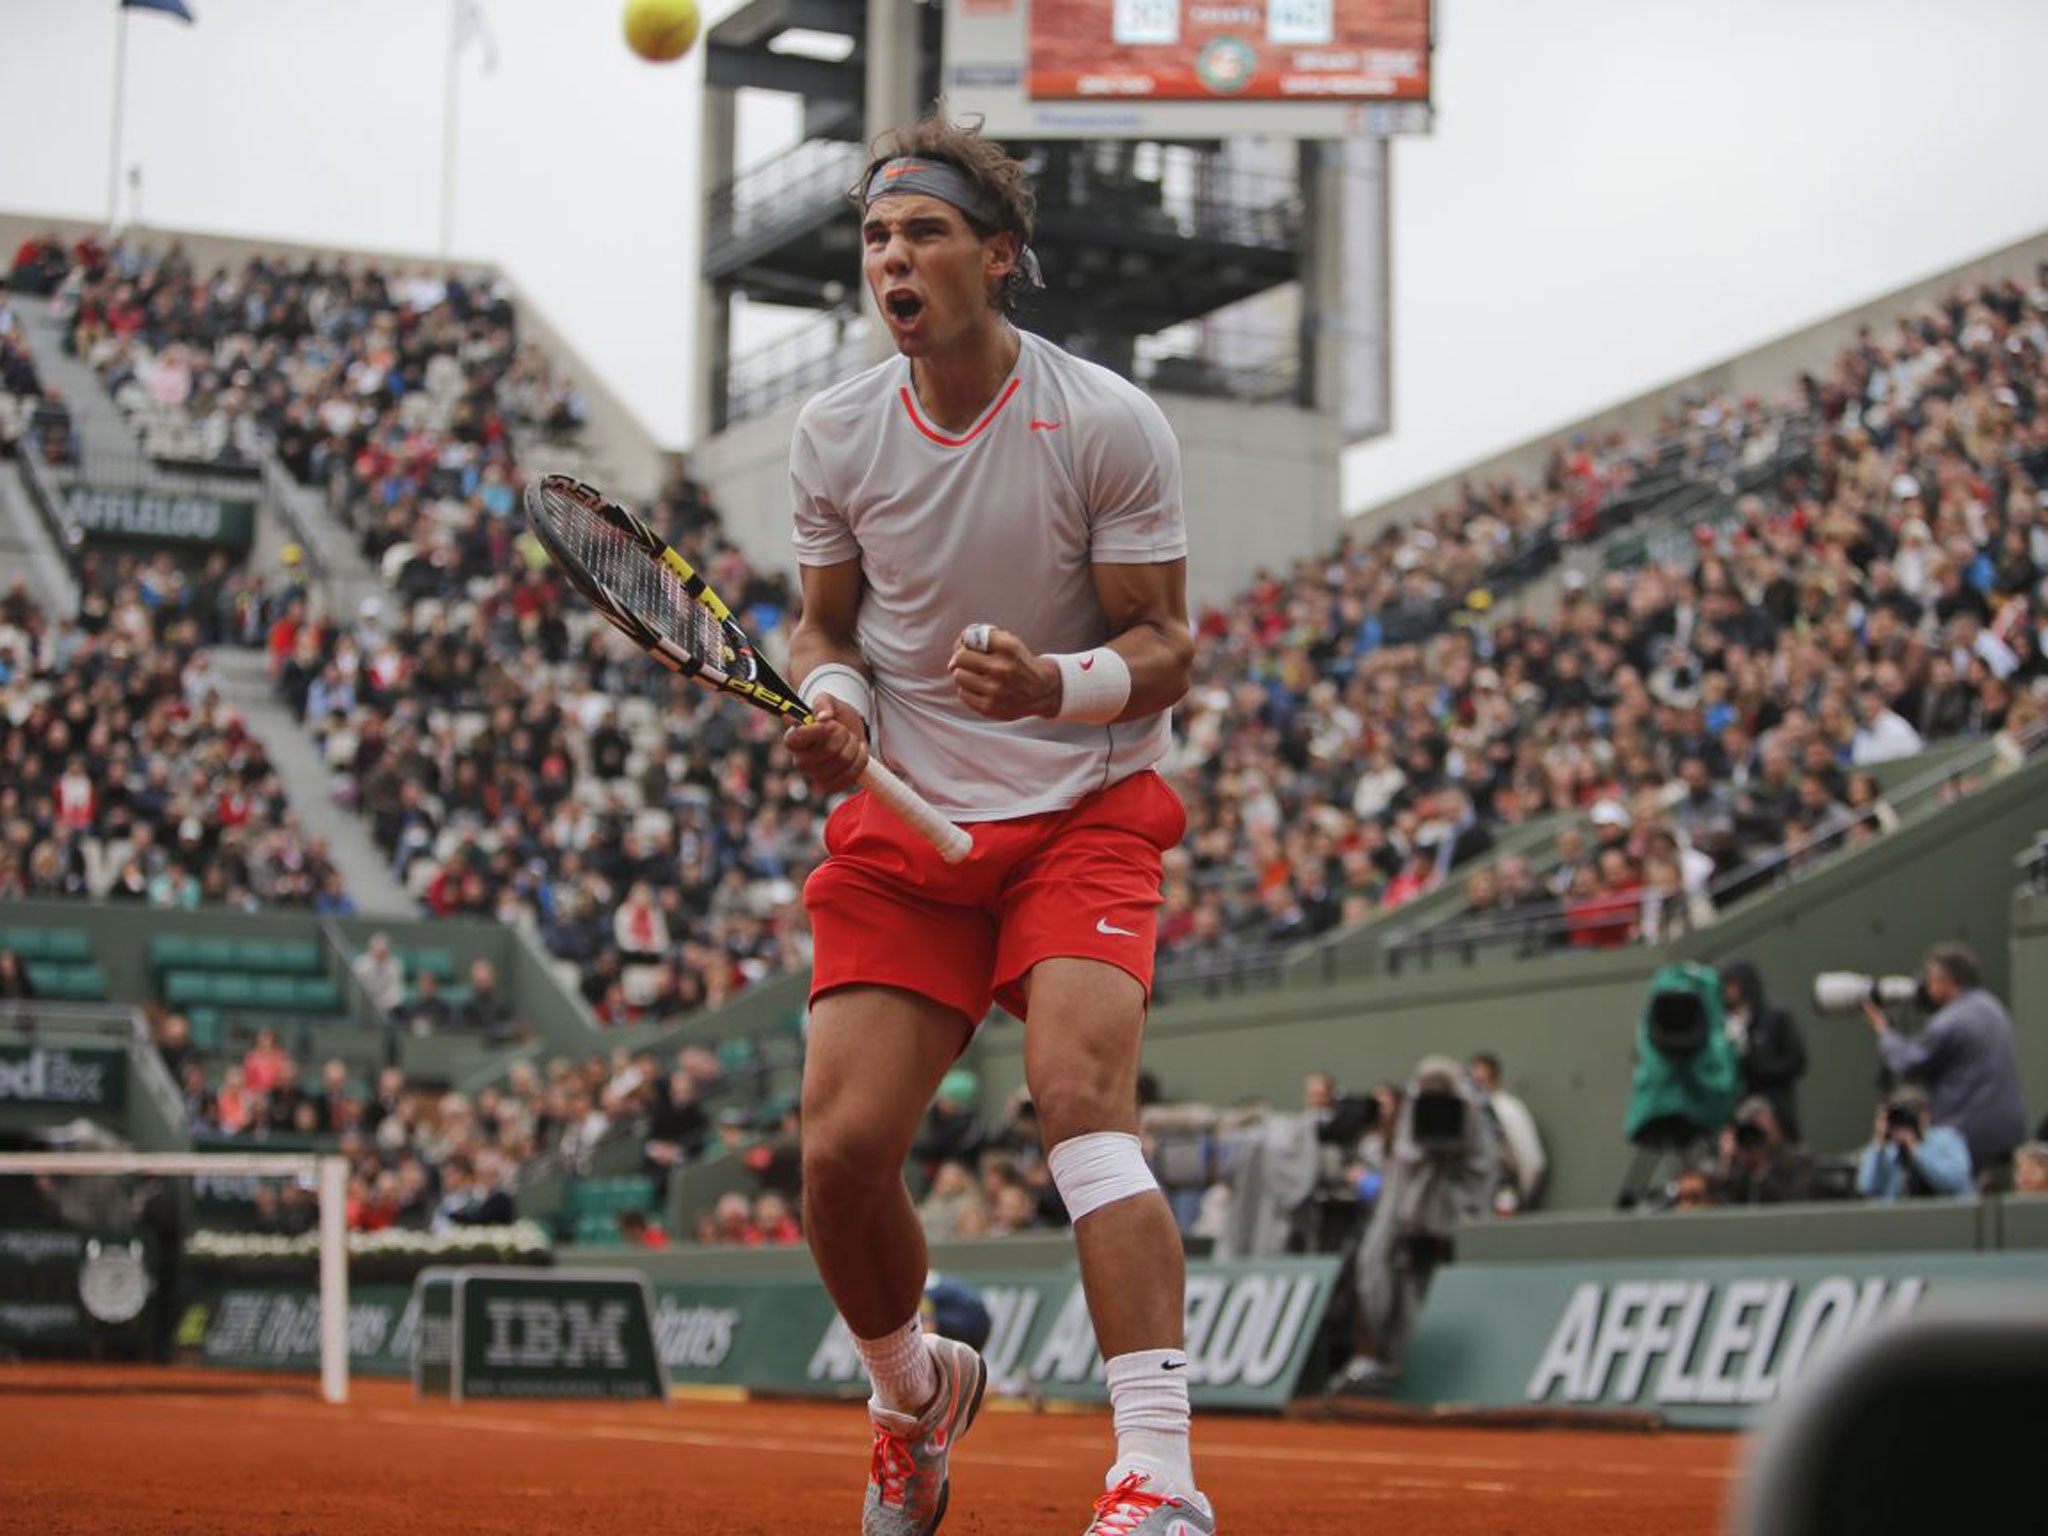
(1140, 1506)
(907, 1481)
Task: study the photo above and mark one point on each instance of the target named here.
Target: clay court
(119, 1453)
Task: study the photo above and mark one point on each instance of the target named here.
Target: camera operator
(1908, 1159)
(1767, 1042)
(1758, 1166)
(1965, 1058)
(1441, 1173)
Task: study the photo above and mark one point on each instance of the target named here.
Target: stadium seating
(71, 946)
(68, 983)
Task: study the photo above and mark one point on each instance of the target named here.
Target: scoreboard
(1191, 68)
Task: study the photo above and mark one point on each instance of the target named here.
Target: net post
(333, 1174)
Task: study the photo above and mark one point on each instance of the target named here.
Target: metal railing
(1542, 928)
(1189, 194)
(792, 367)
(1194, 195)
(30, 1017)
(1224, 361)
(795, 190)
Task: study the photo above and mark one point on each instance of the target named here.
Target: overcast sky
(1619, 191)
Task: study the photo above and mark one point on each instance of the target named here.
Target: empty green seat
(299, 957)
(277, 957)
(231, 989)
(213, 954)
(73, 945)
(171, 952)
(205, 1025)
(278, 992)
(603, 1199)
(256, 956)
(68, 983)
(186, 989)
(316, 994)
(29, 943)
(737, 1055)
(595, 1229)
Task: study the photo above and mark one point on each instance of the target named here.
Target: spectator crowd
(1360, 727)
(1692, 716)
(122, 774)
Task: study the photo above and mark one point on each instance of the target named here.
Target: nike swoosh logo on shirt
(1104, 925)
(1046, 426)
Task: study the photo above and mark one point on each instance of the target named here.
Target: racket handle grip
(952, 842)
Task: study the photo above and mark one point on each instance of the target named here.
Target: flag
(177, 8)
(472, 26)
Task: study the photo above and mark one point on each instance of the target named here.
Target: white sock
(900, 1365)
(1148, 1398)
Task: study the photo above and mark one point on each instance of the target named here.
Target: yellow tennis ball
(661, 31)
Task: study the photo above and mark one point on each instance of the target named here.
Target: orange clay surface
(116, 1452)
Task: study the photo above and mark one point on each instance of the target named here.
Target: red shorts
(886, 910)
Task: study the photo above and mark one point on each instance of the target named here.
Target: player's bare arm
(833, 749)
(1147, 610)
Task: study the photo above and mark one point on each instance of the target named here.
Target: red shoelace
(1124, 1508)
(891, 1467)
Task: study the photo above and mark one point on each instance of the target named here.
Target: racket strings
(645, 586)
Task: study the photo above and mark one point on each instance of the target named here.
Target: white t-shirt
(1070, 465)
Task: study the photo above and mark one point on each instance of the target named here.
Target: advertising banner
(1250, 1327)
(266, 1328)
(94, 513)
(494, 1331)
(61, 1288)
(1700, 1341)
(63, 1077)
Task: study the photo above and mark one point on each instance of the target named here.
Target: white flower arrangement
(521, 1237)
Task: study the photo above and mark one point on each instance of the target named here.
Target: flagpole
(448, 122)
(120, 91)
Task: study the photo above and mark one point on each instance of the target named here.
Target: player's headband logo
(949, 184)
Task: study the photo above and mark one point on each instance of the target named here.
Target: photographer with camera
(1757, 1165)
(1441, 1173)
(1523, 1162)
(1965, 1058)
(1909, 1159)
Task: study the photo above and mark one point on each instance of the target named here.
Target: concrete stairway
(101, 427)
(287, 512)
(245, 685)
(27, 548)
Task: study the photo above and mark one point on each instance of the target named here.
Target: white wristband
(1094, 685)
(843, 683)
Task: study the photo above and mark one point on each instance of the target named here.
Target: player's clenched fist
(832, 750)
(997, 675)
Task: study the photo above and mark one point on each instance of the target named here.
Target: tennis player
(994, 578)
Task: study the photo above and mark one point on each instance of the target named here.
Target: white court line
(556, 1430)
(568, 1426)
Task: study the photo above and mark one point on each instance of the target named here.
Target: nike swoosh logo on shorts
(1104, 925)
(1046, 426)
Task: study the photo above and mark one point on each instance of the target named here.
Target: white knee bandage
(1098, 1169)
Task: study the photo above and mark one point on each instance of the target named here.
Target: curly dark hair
(998, 177)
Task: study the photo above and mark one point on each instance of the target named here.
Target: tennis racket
(652, 596)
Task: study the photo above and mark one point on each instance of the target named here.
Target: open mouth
(903, 306)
